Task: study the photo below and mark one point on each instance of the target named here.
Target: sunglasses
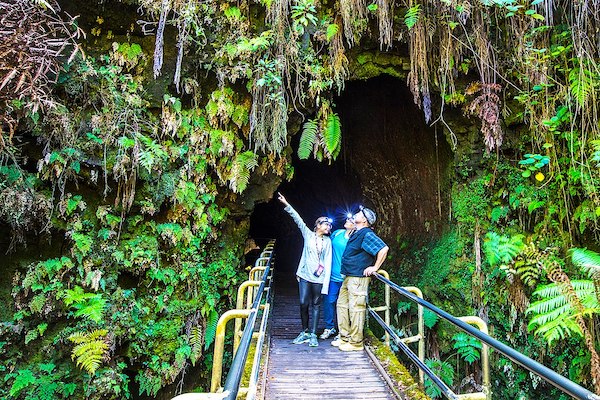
(327, 221)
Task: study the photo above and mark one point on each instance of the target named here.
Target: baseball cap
(369, 215)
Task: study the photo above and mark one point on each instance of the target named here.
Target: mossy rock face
(366, 64)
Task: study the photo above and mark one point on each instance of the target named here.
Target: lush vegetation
(142, 186)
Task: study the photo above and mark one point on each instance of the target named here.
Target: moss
(369, 64)
(248, 367)
(364, 58)
(397, 372)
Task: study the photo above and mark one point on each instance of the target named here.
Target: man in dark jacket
(364, 254)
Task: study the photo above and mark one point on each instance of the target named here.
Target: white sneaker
(327, 333)
(303, 337)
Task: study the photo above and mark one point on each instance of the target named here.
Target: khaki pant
(352, 309)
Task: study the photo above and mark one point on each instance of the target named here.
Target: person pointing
(313, 272)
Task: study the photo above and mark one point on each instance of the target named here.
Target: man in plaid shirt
(364, 254)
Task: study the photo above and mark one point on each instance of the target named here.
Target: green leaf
(587, 260)
(233, 13)
(76, 166)
(211, 328)
(93, 138)
(332, 30)
(90, 349)
(467, 347)
(429, 318)
(412, 16)
(333, 135)
(24, 378)
(308, 139)
(534, 205)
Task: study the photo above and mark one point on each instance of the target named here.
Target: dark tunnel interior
(390, 160)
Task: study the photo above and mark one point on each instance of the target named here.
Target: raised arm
(295, 216)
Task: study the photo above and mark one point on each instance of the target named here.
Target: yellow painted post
(240, 306)
(254, 270)
(386, 292)
(421, 326)
(485, 363)
(217, 370)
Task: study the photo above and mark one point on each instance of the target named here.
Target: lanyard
(319, 250)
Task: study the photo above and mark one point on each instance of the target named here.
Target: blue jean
(329, 304)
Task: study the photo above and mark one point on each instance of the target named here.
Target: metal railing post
(421, 328)
(485, 363)
(217, 370)
(240, 306)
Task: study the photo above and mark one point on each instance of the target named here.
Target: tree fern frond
(90, 350)
(544, 311)
(582, 287)
(308, 139)
(529, 273)
(553, 316)
(211, 328)
(559, 329)
(333, 135)
(588, 260)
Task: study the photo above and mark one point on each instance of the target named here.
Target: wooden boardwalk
(323, 372)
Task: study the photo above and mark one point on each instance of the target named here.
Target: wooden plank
(323, 372)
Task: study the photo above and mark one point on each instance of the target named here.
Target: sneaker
(351, 347)
(327, 333)
(303, 337)
(337, 341)
(313, 342)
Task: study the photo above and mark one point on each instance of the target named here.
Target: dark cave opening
(390, 161)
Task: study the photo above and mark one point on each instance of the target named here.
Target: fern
(243, 164)
(443, 370)
(196, 343)
(22, 380)
(211, 328)
(308, 139)
(149, 383)
(467, 347)
(90, 349)
(529, 265)
(412, 16)
(502, 250)
(333, 135)
(332, 30)
(430, 318)
(588, 260)
(553, 315)
(581, 85)
(88, 305)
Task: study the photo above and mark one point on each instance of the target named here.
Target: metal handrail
(231, 388)
(234, 377)
(544, 372)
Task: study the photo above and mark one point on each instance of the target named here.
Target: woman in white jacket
(313, 273)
